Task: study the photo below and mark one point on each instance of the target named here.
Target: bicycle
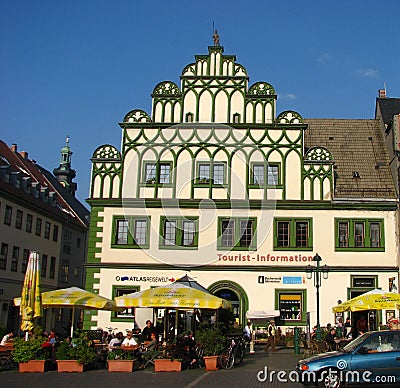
(111, 331)
(233, 355)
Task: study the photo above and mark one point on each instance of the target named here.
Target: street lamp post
(316, 271)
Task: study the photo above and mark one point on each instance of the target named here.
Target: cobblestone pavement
(244, 375)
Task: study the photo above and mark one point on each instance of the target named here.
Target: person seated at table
(147, 331)
(7, 339)
(330, 339)
(153, 342)
(128, 341)
(116, 341)
(314, 332)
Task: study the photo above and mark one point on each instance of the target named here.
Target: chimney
(24, 154)
(14, 147)
(382, 93)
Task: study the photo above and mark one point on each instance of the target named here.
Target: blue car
(372, 358)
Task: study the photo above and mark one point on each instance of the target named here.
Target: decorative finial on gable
(215, 37)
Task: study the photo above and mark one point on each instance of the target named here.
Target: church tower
(64, 173)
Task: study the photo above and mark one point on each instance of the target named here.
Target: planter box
(32, 366)
(69, 366)
(211, 362)
(166, 365)
(120, 365)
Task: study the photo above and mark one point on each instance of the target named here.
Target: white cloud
(367, 72)
(287, 96)
(324, 58)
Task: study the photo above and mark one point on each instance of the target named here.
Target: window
(25, 257)
(55, 233)
(359, 234)
(292, 306)
(236, 118)
(14, 259)
(65, 271)
(131, 232)
(67, 242)
(237, 233)
(129, 313)
(189, 117)
(29, 221)
(52, 267)
(38, 229)
(18, 219)
(157, 172)
(8, 215)
(213, 173)
(47, 230)
(179, 232)
(262, 172)
(43, 269)
(3, 256)
(292, 233)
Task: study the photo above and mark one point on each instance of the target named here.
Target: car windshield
(355, 343)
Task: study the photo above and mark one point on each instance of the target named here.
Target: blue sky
(77, 67)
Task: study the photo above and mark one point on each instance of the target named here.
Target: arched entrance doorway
(235, 294)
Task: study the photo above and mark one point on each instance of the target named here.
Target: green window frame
(131, 232)
(211, 173)
(293, 233)
(129, 313)
(263, 174)
(179, 232)
(359, 234)
(157, 173)
(292, 303)
(237, 234)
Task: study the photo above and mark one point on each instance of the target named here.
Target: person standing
(347, 327)
(147, 331)
(271, 337)
(248, 336)
(247, 331)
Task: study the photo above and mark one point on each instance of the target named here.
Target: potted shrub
(30, 355)
(120, 360)
(213, 343)
(165, 361)
(71, 357)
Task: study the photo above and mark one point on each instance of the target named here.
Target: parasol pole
(165, 324)
(72, 321)
(176, 322)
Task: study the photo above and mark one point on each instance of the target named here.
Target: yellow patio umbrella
(174, 295)
(371, 300)
(75, 297)
(30, 306)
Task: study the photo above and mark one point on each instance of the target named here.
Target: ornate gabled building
(217, 184)
(37, 213)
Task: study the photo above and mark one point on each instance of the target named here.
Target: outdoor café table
(341, 342)
(132, 349)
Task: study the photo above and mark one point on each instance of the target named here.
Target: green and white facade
(216, 184)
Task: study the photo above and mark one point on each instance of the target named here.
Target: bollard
(297, 340)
